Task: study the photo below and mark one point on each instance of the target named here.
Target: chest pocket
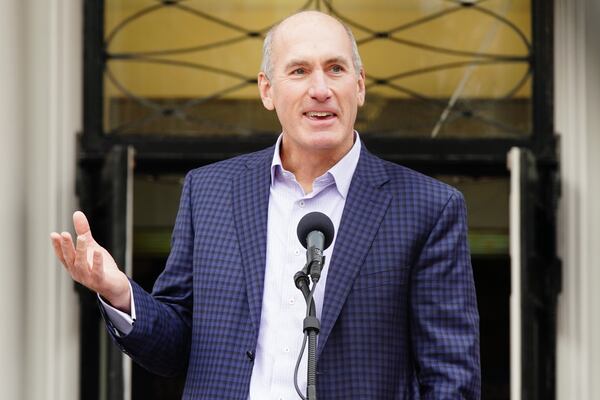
(395, 276)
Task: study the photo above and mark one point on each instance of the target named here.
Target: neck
(308, 166)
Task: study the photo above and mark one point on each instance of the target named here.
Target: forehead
(311, 38)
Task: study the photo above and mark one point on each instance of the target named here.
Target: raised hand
(91, 265)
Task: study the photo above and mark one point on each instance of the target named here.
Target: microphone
(315, 232)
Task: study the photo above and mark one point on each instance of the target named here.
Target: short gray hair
(266, 65)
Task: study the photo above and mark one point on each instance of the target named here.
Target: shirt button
(286, 349)
(301, 203)
(297, 252)
(292, 301)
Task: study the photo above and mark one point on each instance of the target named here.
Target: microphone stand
(311, 327)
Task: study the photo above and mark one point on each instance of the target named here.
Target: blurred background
(107, 103)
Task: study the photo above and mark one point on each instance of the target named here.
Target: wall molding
(52, 65)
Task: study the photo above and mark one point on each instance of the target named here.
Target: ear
(361, 90)
(264, 88)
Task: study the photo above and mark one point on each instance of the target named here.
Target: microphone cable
(309, 304)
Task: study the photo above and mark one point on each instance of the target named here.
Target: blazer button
(250, 355)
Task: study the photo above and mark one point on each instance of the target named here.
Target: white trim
(127, 363)
(514, 165)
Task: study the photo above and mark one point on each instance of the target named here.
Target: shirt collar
(341, 172)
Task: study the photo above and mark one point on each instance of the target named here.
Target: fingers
(56, 239)
(68, 250)
(81, 266)
(97, 266)
(82, 226)
(84, 260)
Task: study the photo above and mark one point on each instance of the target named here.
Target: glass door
(106, 194)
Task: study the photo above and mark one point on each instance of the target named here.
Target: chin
(326, 139)
(328, 145)
(320, 140)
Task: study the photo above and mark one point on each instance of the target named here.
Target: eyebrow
(333, 60)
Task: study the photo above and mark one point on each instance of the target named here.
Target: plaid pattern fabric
(399, 317)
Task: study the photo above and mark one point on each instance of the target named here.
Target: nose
(319, 87)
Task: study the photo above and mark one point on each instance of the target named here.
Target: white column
(12, 200)
(593, 205)
(577, 105)
(53, 105)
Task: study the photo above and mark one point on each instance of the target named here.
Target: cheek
(284, 115)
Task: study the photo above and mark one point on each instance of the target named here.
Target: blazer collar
(250, 209)
(366, 204)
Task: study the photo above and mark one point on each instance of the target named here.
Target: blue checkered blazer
(399, 317)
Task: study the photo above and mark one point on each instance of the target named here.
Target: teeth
(319, 114)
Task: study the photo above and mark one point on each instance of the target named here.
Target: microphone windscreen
(316, 221)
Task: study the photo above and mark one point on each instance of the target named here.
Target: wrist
(119, 296)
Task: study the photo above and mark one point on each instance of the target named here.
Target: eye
(298, 71)
(337, 68)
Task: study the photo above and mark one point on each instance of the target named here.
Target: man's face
(314, 88)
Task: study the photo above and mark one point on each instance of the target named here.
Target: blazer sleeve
(161, 334)
(443, 310)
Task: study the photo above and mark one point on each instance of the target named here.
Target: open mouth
(319, 115)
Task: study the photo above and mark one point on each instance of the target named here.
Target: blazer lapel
(250, 208)
(365, 207)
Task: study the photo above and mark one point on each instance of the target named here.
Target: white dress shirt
(283, 306)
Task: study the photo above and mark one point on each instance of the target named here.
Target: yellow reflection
(435, 49)
(462, 29)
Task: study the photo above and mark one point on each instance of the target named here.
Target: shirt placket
(290, 308)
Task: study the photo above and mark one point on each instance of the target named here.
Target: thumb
(82, 226)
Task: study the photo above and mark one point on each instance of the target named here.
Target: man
(396, 299)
